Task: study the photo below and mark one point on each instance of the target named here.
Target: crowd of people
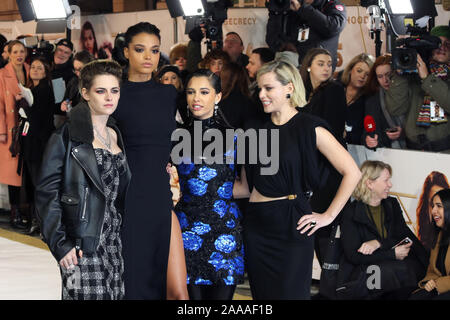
(95, 165)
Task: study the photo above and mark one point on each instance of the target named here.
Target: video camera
(404, 55)
(214, 16)
(38, 47)
(280, 6)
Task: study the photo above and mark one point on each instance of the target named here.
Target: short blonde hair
(363, 57)
(370, 170)
(286, 73)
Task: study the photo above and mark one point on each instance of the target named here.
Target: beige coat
(442, 281)
(8, 90)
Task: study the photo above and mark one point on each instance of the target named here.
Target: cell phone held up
(403, 242)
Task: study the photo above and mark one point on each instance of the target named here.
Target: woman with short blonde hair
(370, 170)
(374, 233)
(279, 220)
(286, 73)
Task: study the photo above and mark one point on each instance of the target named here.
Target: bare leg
(176, 269)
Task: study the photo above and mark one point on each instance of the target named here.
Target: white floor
(27, 273)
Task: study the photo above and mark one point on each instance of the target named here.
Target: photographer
(62, 68)
(307, 24)
(424, 99)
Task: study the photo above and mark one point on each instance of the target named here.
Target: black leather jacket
(70, 200)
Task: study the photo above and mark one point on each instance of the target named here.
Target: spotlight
(51, 15)
(399, 6)
(51, 9)
(209, 13)
(192, 7)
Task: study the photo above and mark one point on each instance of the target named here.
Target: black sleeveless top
(301, 165)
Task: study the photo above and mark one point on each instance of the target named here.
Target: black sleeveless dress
(145, 116)
(279, 259)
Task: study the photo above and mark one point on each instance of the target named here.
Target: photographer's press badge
(303, 34)
(437, 114)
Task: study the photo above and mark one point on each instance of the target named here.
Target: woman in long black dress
(210, 219)
(279, 256)
(145, 116)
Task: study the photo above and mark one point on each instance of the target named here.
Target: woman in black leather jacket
(81, 188)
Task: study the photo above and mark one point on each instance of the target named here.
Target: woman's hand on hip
(313, 222)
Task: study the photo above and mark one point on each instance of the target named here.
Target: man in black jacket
(308, 24)
(62, 68)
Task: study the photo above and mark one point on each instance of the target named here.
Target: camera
(280, 6)
(212, 19)
(38, 48)
(404, 56)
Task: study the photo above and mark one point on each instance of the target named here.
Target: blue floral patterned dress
(210, 221)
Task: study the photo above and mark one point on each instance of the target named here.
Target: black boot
(16, 220)
(34, 228)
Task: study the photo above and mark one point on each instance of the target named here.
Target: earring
(288, 96)
(188, 112)
(309, 69)
(216, 106)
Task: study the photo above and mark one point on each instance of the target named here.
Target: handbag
(331, 264)
(341, 280)
(14, 148)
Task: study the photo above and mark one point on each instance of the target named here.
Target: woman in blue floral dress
(209, 218)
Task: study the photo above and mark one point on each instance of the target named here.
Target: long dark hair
(88, 26)
(234, 76)
(47, 69)
(214, 81)
(444, 195)
(435, 178)
(306, 77)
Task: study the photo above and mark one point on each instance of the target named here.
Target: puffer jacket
(70, 200)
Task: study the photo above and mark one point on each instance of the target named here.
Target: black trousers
(204, 292)
(14, 195)
(279, 258)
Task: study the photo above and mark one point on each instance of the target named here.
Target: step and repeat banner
(249, 23)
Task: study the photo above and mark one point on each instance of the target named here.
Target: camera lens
(405, 59)
(213, 30)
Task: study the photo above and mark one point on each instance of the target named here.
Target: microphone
(369, 125)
